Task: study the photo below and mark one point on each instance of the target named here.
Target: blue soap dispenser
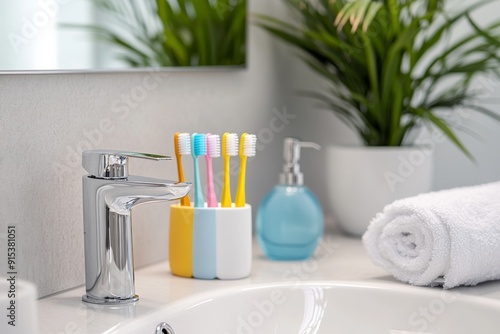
(290, 219)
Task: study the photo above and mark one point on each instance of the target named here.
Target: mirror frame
(175, 69)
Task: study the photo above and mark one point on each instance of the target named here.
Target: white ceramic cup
(210, 243)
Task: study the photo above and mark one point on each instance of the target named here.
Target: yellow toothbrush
(229, 149)
(182, 143)
(247, 149)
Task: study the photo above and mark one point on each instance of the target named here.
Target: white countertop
(338, 258)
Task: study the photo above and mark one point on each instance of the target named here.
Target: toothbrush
(213, 151)
(248, 145)
(199, 147)
(182, 144)
(229, 149)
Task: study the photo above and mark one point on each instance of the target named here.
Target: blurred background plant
(158, 33)
(393, 65)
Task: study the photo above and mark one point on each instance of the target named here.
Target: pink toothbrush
(213, 151)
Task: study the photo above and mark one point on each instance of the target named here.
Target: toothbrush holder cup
(210, 242)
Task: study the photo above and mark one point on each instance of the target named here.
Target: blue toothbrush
(198, 148)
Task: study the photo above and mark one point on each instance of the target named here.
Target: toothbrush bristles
(232, 144)
(213, 146)
(250, 145)
(199, 144)
(184, 143)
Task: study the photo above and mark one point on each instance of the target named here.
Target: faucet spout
(107, 205)
(123, 196)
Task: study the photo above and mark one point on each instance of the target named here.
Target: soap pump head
(291, 174)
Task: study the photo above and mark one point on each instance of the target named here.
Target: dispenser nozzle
(291, 153)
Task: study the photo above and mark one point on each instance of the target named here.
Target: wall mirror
(117, 35)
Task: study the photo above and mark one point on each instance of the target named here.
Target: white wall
(27, 36)
(46, 120)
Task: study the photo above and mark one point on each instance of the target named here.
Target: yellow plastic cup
(210, 243)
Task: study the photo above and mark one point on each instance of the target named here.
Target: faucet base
(109, 301)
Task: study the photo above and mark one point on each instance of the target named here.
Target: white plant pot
(362, 180)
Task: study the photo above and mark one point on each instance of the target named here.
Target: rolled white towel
(454, 234)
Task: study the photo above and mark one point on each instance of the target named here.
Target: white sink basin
(325, 308)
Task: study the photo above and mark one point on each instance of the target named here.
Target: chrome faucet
(109, 193)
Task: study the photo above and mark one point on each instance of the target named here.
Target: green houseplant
(382, 61)
(393, 66)
(151, 33)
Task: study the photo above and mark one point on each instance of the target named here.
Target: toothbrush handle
(198, 195)
(226, 187)
(240, 193)
(211, 198)
(180, 172)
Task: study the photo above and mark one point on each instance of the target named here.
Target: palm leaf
(176, 32)
(388, 72)
(443, 126)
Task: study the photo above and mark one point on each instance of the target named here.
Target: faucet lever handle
(113, 164)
